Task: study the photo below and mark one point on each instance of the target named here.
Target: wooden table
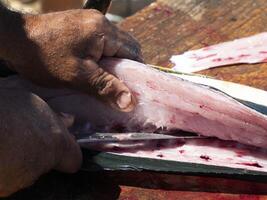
(165, 28)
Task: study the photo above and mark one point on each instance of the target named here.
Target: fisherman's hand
(33, 141)
(63, 49)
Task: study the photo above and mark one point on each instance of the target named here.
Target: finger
(121, 44)
(106, 86)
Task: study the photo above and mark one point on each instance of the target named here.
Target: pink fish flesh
(251, 49)
(165, 102)
(201, 151)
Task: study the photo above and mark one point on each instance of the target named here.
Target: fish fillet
(202, 151)
(165, 102)
(251, 50)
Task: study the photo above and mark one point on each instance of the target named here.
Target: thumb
(108, 87)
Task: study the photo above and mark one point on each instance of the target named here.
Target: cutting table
(165, 28)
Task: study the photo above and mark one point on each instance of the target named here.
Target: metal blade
(122, 137)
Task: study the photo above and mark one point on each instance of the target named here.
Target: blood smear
(250, 50)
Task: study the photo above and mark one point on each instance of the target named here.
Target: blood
(179, 143)
(167, 11)
(229, 58)
(252, 164)
(206, 46)
(201, 106)
(264, 60)
(263, 52)
(160, 155)
(243, 55)
(204, 57)
(181, 151)
(216, 60)
(205, 157)
(240, 154)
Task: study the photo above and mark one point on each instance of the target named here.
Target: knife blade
(126, 137)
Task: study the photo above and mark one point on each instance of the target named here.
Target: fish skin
(164, 102)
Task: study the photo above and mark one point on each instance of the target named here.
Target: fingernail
(124, 100)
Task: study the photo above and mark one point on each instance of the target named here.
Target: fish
(164, 103)
(252, 49)
(211, 151)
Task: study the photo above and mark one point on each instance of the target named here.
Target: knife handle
(100, 5)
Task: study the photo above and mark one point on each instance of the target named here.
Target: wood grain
(170, 27)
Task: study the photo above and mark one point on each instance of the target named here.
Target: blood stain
(160, 155)
(216, 60)
(252, 164)
(205, 157)
(204, 57)
(243, 55)
(229, 58)
(181, 151)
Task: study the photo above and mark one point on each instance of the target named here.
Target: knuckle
(102, 82)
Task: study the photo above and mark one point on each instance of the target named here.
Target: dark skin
(54, 50)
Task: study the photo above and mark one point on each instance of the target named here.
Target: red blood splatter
(157, 9)
(152, 85)
(117, 149)
(216, 60)
(229, 58)
(204, 57)
(263, 52)
(181, 151)
(160, 155)
(167, 11)
(252, 164)
(240, 154)
(179, 143)
(205, 157)
(206, 46)
(243, 55)
(201, 106)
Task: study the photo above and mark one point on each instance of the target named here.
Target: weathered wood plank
(170, 27)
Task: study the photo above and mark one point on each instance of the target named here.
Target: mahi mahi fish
(165, 102)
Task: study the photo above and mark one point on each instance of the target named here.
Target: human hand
(62, 50)
(33, 140)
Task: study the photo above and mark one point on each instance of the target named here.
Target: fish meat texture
(249, 50)
(198, 151)
(165, 102)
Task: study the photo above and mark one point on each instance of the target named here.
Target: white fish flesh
(201, 151)
(165, 102)
(250, 50)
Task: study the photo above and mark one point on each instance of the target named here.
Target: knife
(126, 137)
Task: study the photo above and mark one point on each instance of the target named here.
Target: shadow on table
(79, 186)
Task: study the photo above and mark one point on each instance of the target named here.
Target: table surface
(165, 28)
